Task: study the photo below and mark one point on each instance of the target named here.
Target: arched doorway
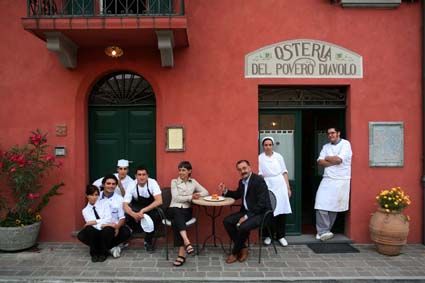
(121, 124)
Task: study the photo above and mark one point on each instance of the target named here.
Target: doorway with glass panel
(297, 118)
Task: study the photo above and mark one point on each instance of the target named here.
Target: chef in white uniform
(334, 190)
(124, 181)
(273, 168)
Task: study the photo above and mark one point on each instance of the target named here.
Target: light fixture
(274, 124)
(114, 51)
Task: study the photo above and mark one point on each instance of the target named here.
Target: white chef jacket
(116, 206)
(343, 151)
(126, 183)
(334, 189)
(102, 209)
(272, 169)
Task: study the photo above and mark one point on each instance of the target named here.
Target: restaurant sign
(303, 58)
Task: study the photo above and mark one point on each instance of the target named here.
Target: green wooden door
(121, 124)
(285, 127)
(121, 133)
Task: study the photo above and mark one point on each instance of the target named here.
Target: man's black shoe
(94, 258)
(149, 247)
(101, 258)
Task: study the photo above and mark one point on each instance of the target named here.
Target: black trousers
(99, 241)
(240, 235)
(179, 217)
(277, 226)
(135, 226)
(123, 235)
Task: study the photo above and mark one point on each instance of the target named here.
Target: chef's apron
(333, 195)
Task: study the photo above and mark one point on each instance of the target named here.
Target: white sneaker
(267, 241)
(326, 236)
(116, 252)
(317, 237)
(283, 242)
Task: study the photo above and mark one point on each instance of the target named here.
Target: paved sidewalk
(58, 262)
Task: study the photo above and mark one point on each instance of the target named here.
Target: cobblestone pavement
(59, 262)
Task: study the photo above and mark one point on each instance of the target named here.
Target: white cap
(267, 138)
(122, 163)
(147, 224)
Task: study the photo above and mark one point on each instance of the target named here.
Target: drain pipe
(423, 118)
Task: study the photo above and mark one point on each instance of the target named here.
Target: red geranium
(24, 166)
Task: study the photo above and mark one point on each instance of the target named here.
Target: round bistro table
(215, 211)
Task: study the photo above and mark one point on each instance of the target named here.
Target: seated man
(124, 181)
(253, 191)
(115, 201)
(140, 201)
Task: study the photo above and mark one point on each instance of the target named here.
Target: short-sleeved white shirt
(102, 209)
(115, 205)
(126, 183)
(343, 151)
(131, 192)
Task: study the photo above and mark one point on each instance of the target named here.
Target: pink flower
(33, 195)
(13, 169)
(49, 157)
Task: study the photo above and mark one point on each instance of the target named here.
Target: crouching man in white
(115, 201)
(334, 189)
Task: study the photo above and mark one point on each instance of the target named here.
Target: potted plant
(388, 226)
(24, 168)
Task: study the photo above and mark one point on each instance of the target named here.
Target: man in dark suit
(253, 191)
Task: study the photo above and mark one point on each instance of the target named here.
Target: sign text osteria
(303, 58)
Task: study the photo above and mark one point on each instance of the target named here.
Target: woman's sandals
(189, 249)
(180, 260)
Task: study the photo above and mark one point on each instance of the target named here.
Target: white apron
(272, 168)
(333, 195)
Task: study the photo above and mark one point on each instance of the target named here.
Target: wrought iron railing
(103, 8)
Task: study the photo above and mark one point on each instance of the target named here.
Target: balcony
(68, 25)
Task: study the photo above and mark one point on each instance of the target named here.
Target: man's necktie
(95, 213)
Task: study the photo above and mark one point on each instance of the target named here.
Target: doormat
(332, 248)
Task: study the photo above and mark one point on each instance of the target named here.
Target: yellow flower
(386, 205)
(387, 210)
(38, 217)
(17, 221)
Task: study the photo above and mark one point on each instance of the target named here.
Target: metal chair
(166, 200)
(265, 222)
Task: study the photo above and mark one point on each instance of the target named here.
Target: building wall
(207, 93)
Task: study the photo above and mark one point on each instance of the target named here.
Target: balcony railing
(103, 8)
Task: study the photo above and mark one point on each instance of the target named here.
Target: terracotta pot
(19, 238)
(389, 231)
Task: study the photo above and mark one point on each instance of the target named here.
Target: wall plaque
(174, 138)
(386, 144)
(303, 58)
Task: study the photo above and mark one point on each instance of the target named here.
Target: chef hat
(147, 224)
(122, 163)
(267, 138)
